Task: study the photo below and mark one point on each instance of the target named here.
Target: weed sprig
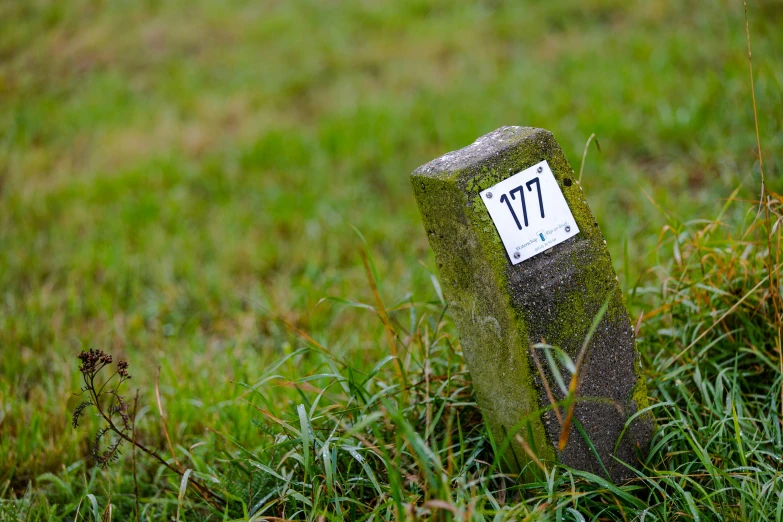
(120, 425)
(109, 403)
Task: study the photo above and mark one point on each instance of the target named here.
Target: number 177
(504, 199)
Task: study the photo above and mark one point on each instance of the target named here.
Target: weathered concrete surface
(501, 309)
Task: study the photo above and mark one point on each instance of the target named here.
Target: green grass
(169, 173)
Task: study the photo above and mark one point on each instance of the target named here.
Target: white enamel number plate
(530, 212)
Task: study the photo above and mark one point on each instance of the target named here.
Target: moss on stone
(473, 271)
(494, 302)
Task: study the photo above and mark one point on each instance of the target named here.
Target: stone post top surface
(481, 150)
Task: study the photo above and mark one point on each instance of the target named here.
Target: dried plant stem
(573, 386)
(530, 453)
(203, 491)
(584, 154)
(381, 311)
(764, 201)
(94, 362)
(163, 421)
(547, 389)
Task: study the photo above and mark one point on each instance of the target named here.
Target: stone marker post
(522, 261)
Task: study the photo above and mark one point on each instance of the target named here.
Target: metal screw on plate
(568, 228)
(540, 170)
(489, 195)
(517, 255)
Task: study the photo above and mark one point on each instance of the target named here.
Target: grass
(169, 174)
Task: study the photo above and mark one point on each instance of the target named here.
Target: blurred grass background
(163, 165)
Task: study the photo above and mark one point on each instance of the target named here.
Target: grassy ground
(170, 172)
